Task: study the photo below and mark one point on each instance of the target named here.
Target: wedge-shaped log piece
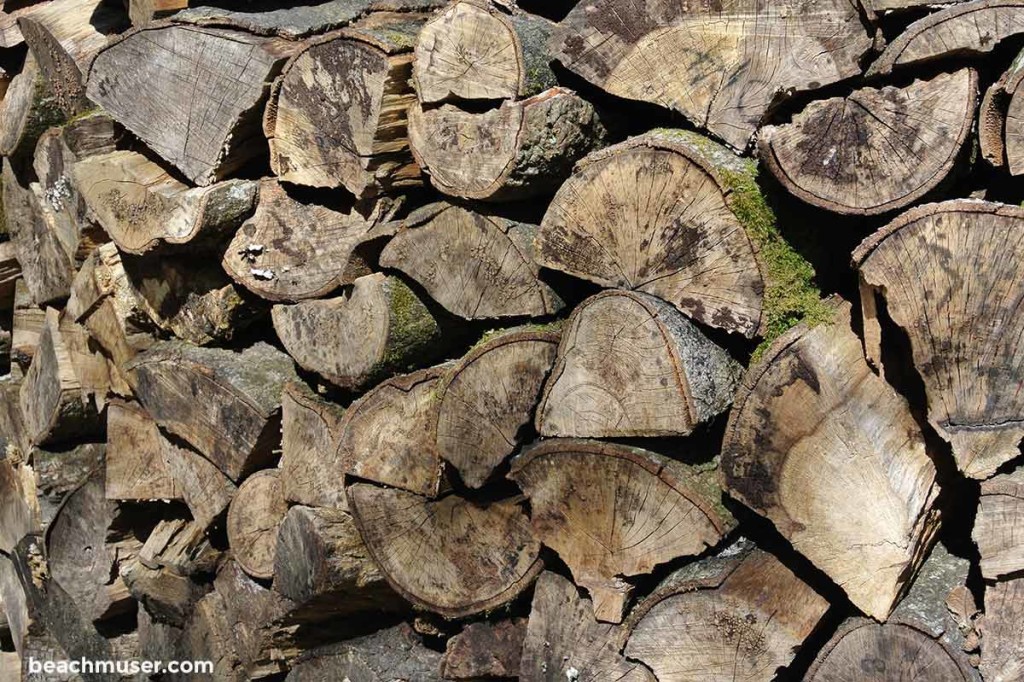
(740, 615)
(136, 468)
(485, 650)
(193, 95)
(65, 36)
(890, 651)
(517, 151)
(291, 251)
(387, 435)
(960, 315)
(312, 471)
(254, 519)
(450, 555)
(27, 322)
(377, 328)
(613, 512)
(660, 214)
(17, 518)
(53, 398)
(225, 404)
(875, 150)
(563, 641)
(143, 12)
(477, 266)
(479, 50)
(1001, 120)
(1002, 648)
(204, 487)
(141, 206)
(323, 566)
(736, 57)
(28, 108)
(814, 439)
(488, 397)
(56, 473)
(999, 525)
(964, 29)
(392, 654)
(339, 114)
(631, 365)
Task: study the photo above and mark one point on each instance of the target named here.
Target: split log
(97, 376)
(631, 365)
(225, 404)
(323, 566)
(999, 525)
(27, 324)
(1000, 135)
(312, 472)
(141, 206)
(58, 473)
(52, 398)
(392, 654)
(963, 29)
(485, 651)
(450, 556)
(291, 251)
(208, 636)
(28, 109)
(254, 520)
(65, 36)
(20, 622)
(144, 12)
(738, 58)
(814, 439)
(970, 380)
(1002, 648)
(46, 253)
(488, 397)
(614, 512)
(193, 95)
(668, 213)
(564, 642)
(338, 116)
(886, 651)
(16, 517)
(476, 265)
(10, 13)
(136, 469)
(876, 150)
(478, 50)
(80, 559)
(10, 274)
(517, 151)
(377, 328)
(740, 615)
(387, 435)
(204, 487)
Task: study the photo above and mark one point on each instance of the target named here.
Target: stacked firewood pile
(417, 340)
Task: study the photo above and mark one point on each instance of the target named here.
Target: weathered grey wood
(1002, 650)
(312, 470)
(999, 524)
(29, 108)
(57, 473)
(392, 654)
(27, 324)
(144, 12)
(254, 521)
(136, 469)
(204, 487)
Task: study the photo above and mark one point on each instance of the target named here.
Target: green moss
(413, 328)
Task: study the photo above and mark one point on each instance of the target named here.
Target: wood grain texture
(485, 650)
(29, 107)
(815, 438)
(486, 399)
(875, 150)
(193, 95)
(655, 214)
(737, 57)
(394, 653)
(450, 555)
(614, 512)
(204, 487)
(1002, 652)
(958, 315)
(312, 472)
(136, 469)
(631, 365)
(476, 265)
(999, 525)
(254, 522)
(1001, 120)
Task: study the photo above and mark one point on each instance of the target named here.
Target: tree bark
(661, 214)
(486, 399)
(722, 618)
(254, 521)
(876, 150)
(479, 50)
(631, 365)
(450, 556)
(968, 379)
(1000, 132)
(485, 650)
(392, 654)
(814, 439)
(679, 507)
(376, 329)
(312, 470)
(187, 390)
(28, 108)
(476, 265)
(338, 116)
(637, 51)
(193, 95)
(57, 473)
(518, 151)
(999, 525)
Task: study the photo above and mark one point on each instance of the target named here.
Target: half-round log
(254, 521)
